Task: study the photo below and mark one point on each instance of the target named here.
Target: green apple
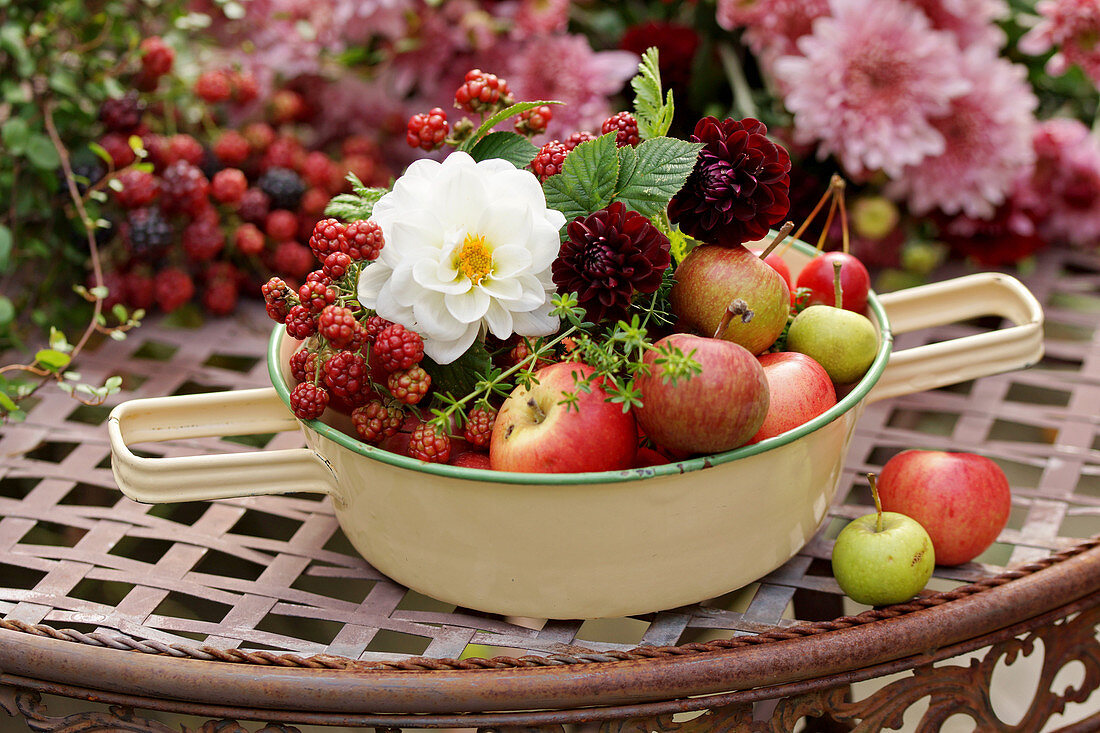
(883, 558)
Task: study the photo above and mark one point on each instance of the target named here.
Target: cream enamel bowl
(584, 545)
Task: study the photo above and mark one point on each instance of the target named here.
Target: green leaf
(461, 376)
(11, 39)
(52, 359)
(496, 119)
(7, 311)
(6, 403)
(15, 134)
(663, 165)
(654, 116)
(587, 179)
(5, 247)
(41, 153)
(353, 206)
(509, 146)
(102, 153)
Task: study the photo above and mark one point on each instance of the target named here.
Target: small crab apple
(535, 432)
(855, 281)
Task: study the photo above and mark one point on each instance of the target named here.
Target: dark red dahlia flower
(1008, 237)
(676, 45)
(739, 187)
(609, 256)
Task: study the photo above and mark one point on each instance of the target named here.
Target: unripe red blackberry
(140, 289)
(139, 188)
(577, 138)
(184, 189)
(245, 87)
(479, 426)
(359, 145)
(283, 152)
(374, 326)
(398, 348)
(228, 185)
(482, 92)
(147, 234)
(249, 240)
(202, 240)
(287, 106)
(337, 324)
(259, 135)
(293, 259)
(328, 237)
(213, 86)
(184, 147)
(314, 201)
(317, 169)
(625, 128)
(410, 385)
(319, 276)
(549, 160)
(368, 170)
(300, 323)
(428, 444)
(232, 148)
(220, 296)
(122, 114)
(427, 131)
(336, 264)
(315, 296)
(118, 148)
(254, 206)
(174, 287)
(308, 401)
(374, 421)
(277, 296)
(281, 224)
(346, 376)
(303, 365)
(156, 57)
(363, 240)
(534, 120)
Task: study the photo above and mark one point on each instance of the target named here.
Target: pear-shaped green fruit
(843, 342)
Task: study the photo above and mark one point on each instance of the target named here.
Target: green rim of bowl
(850, 400)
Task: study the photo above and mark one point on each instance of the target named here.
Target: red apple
(471, 459)
(711, 277)
(800, 391)
(818, 276)
(962, 499)
(778, 264)
(535, 432)
(648, 457)
(713, 411)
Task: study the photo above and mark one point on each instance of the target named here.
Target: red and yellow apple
(800, 390)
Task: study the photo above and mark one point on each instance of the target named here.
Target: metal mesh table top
(276, 573)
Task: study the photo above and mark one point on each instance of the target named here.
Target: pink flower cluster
(1062, 192)
(1073, 28)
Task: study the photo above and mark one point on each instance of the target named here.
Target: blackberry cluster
(283, 186)
(122, 114)
(149, 234)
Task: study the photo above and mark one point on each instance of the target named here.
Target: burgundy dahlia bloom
(739, 187)
(609, 256)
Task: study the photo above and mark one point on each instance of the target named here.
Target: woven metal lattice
(276, 573)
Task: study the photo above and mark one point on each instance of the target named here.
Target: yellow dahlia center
(474, 260)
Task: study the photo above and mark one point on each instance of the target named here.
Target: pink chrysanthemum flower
(540, 16)
(565, 68)
(1073, 28)
(971, 21)
(988, 142)
(772, 27)
(1064, 187)
(871, 80)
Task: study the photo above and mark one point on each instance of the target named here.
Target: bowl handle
(195, 478)
(969, 357)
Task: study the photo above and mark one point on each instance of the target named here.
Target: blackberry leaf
(661, 167)
(654, 115)
(587, 180)
(516, 149)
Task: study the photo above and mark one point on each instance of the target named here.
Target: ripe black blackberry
(148, 234)
(122, 114)
(284, 186)
(86, 173)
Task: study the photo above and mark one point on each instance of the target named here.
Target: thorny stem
(873, 480)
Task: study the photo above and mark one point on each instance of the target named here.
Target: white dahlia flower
(468, 248)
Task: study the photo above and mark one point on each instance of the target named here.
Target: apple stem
(844, 246)
(838, 291)
(833, 182)
(779, 237)
(873, 480)
(737, 307)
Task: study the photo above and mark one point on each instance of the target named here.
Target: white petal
(502, 289)
(404, 287)
(499, 320)
(510, 260)
(391, 310)
(534, 294)
(536, 323)
(433, 319)
(463, 198)
(544, 244)
(426, 273)
(507, 223)
(444, 351)
(371, 280)
(468, 307)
